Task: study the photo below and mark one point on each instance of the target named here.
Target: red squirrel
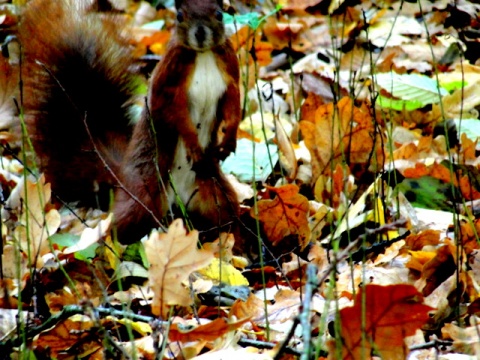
(80, 80)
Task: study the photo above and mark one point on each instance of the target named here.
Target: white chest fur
(207, 86)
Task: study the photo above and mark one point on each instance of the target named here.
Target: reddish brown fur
(72, 48)
(75, 68)
(214, 204)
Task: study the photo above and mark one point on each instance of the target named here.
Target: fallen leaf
(381, 318)
(465, 340)
(172, 257)
(339, 132)
(90, 236)
(285, 215)
(36, 224)
(206, 332)
(223, 272)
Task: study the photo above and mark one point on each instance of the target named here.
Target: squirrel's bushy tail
(78, 72)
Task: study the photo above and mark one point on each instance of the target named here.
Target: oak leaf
(36, 223)
(382, 316)
(172, 257)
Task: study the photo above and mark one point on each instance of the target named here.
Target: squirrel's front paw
(195, 155)
(223, 152)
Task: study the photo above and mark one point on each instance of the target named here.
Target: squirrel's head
(200, 23)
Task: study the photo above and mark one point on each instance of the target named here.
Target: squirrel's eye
(180, 17)
(219, 15)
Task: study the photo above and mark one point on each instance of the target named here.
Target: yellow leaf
(223, 272)
(142, 328)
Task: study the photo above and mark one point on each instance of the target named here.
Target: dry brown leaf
(465, 340)
(285, 215)
(35, 225)
(335, 189)
(91, 236)
(459, 104)
(222, 247)
(468, 191)
(245, 38)
(69, 333)
(443, 299)
(416, 242)
(438, 269)
(418, 259)
(207, 332)
(298, 4)
(337, 133)
(172, 257)
(468, 147)
(469, 236)
(282, 33)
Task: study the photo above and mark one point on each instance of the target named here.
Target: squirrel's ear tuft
(220, 3)
(178, 3)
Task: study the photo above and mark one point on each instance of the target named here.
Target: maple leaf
(389, 314)
(172, 257)
(285, 215)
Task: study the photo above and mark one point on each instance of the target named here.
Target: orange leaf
(337, 133)
(419, 259)
(157, 42)
(468, 147)
(418, 241)
(418, 171)
(246, 38)
(208, 332)
(389, 314)
(469, 233)
(285, 215)
(468, 191)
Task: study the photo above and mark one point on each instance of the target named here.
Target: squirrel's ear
(178, 4)
(220, 3)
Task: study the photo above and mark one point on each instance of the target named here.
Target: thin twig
(115, 177)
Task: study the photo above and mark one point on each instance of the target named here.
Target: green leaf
(248, 164)
(454, 85)
(136, 253)
(469, 127)
(428, 193)
(128, 269)
(399, 105)
(243, 19)
(67, 240)
(251, 19)
(411, 87)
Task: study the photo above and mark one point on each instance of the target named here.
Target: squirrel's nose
(200, 35)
